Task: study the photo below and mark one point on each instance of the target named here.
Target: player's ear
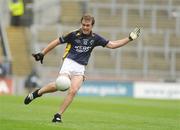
(93, 21)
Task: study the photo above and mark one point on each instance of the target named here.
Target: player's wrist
(42, 53)
(130, 38)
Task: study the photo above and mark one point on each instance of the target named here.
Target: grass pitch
(90, 113)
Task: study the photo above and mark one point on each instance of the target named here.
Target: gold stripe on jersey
(78, 34)
(67, 49)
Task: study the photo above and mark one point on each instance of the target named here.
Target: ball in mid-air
(63, 83)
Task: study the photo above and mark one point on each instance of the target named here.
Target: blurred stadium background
(153, 58)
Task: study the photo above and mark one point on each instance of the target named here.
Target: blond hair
(88, 17)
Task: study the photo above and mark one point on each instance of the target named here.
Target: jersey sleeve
(101, 41)
(65, 38)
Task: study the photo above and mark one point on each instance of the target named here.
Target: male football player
(80, 44)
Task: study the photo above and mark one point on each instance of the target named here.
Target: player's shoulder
(72, 32)
(96, 35)
(75, 31)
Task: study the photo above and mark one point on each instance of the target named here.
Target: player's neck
(83, 34)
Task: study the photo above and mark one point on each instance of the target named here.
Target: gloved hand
(134, 34)
(39, 57)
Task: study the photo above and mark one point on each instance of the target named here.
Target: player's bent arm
(118, 43)
(51, 46)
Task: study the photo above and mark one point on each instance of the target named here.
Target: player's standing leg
(76, 82)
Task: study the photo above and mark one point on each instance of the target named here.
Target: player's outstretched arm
(132, 36)
(40, 56)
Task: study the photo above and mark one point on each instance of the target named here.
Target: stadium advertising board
(157, 90)
(6, 86)
(106, 88)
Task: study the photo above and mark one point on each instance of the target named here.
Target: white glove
(134, 34)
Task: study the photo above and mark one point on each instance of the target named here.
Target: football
(63, 83)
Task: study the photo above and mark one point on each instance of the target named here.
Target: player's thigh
(76, 82)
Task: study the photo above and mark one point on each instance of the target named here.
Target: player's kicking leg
(31, 96)
(39, 92)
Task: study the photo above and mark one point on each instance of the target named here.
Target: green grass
(90, 113)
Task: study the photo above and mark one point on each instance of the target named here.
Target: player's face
(86, 26)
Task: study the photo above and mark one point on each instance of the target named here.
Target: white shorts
(71, 68)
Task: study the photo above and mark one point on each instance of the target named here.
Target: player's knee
(73, 90)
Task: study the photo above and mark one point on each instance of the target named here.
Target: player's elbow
(110, 45)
